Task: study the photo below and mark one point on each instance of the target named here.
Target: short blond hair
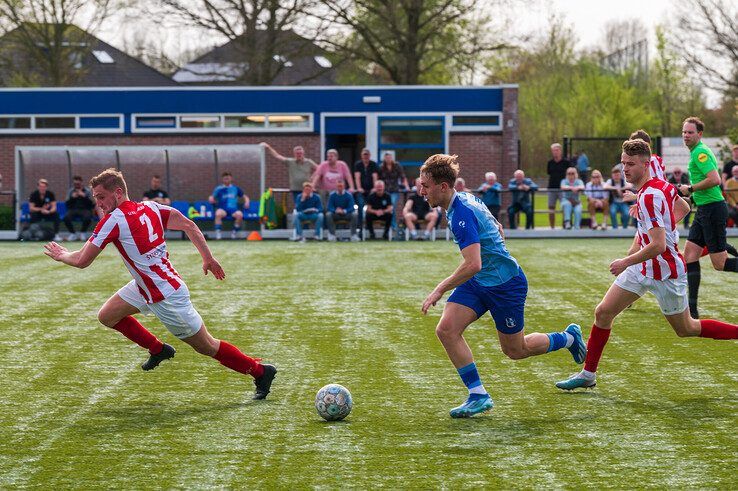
(441, 168)
(110, 179)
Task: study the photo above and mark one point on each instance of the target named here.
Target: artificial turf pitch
(78, 412)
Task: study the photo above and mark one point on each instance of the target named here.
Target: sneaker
(331, 238)
(426, 235)
(72, 237)
(167, 351)
(82, 236)
(218, 235)
(264, 383)
(302, 240)
(414, 235)
(578, 348)
(567, 226)
(57, 238)
(355, 238)
(577, 381)
(475, 404)
(233, 234)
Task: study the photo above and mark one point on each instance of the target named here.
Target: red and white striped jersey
(657, 168)
(656, 209)
(137, 231)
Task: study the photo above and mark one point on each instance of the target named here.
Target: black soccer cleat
(264, 383)
(167, 351)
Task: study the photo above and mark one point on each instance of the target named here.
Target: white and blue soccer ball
(333, 402)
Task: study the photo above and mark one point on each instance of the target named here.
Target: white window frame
(474, 128)
(57, 131)
(310, 128)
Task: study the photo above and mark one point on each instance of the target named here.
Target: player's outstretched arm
(657, 235)
(471, 265)
(177, 221)
(681, 208)
(79, 259)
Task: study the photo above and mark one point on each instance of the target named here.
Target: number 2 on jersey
(145, 219)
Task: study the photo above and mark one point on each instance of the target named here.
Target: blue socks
(218, 226)
(470, 376)
(558, 340)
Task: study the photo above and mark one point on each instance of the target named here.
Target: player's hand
(618, 266)
(629, 196)
(55, 251)
(684, 189)
(633, 211)
(213, 265)
(431, 301)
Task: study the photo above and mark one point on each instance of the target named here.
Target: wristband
(690, 189)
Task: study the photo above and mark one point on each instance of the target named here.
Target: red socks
(133, 330)
(718, 330)
(595, 344)
(231, 357)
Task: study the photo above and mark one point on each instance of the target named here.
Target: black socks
(693, 281)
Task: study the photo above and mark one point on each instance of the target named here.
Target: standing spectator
(677, 178)
(79, 205)
(42, 205)
(556, 169)
(226, 199)
(583, 165)
(731, 193)
(460, 186)
(309, 208)
(393, 175)
(329, 172)
(571, 204)
(379, 207)
(490, 190)
(521, 188)
(156, 193)
(617, 185)
(366, 173)
(341, 208)
(728, 167)
(416, 209)
(597, 200)
(299, 168)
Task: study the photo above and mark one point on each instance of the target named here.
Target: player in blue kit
(225, 197)
(488, 279)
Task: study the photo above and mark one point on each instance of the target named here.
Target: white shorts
(671, 294)
(176, 311)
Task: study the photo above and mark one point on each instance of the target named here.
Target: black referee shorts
(709, 227)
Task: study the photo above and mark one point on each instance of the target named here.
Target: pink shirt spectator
(326, 176)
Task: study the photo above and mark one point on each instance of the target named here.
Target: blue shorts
(229, 211)
(506, 302)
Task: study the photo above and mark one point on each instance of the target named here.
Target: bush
(6, 218)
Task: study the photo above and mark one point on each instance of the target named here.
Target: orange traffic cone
(254, 236)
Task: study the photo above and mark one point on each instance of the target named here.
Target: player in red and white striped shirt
(137, 231)
(653, 264)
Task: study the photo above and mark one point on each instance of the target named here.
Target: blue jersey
(472, 223)
(226, 197)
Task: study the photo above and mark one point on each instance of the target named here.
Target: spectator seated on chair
(617, 185)
(598, 199)
(416, 210)
(731, 193)
(521, 188)
(156, 193)
(309, 209)
(571, 203)
(341, 209)
(226, 199)
(490, 190)
(42, 205)
(379, 208)
(79, 207)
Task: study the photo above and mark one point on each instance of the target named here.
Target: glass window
(100, 122)
(55, 122)
(253, 121)
(155, 122)
(477, 120)
(410, 155)
(13, 123)
(289, 121)
(199, 121)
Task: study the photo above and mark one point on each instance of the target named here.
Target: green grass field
(78, 412)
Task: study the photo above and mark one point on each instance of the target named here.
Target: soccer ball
(333, 402)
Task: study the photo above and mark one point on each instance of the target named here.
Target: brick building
(83, 130)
